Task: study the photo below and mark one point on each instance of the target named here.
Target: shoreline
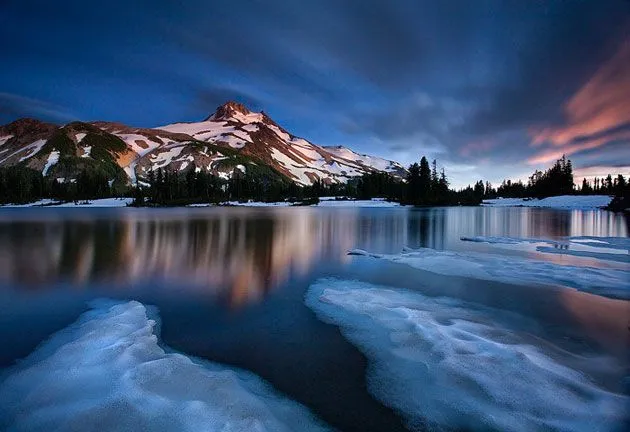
(567, 202)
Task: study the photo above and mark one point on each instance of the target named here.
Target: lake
(274, 292)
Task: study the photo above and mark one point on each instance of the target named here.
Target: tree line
(559, 180)
(20, 184)
(255, 182)
(424, 185)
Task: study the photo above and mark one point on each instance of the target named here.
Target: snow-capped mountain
(232, 138)
(257, 135)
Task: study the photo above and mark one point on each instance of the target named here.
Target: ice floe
(621, 243)
(508, 240)
(106, 372)
(511, 269)
(443, 364)
(604, 248)
(618, 257)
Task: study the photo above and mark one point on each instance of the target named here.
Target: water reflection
(243, 254)
(603, 319)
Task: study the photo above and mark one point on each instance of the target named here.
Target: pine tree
(413, 184)
(191, 181)
(609, 185)
(621, 185)
(433, 194)
(424, 183)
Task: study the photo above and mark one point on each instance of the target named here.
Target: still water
(230, 286)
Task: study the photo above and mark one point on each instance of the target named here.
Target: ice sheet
(441, 363)
(106, 372)
(512, 269)
(604, 248)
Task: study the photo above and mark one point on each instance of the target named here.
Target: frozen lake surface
(510, 318)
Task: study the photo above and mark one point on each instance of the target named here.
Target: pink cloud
(601, 105)
(599, 171)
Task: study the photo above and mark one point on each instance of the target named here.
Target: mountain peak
(229, 109)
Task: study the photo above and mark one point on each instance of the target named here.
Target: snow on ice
(511, 269)
(444, 363)
(106, 372)
(604, 248)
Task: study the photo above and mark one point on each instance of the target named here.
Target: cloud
(457, 79)
(418, 113)
(212, 97)
(482, 145)
(599, 113)
(589, 173)
(14, 106)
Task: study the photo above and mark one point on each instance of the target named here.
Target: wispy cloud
(13, 105)
(477, 146)
(596, 115)
(599, 171)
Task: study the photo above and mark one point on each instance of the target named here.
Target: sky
(491, 89)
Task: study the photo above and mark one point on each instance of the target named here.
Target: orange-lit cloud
(600, 107)
(554, 153)
(599, 171)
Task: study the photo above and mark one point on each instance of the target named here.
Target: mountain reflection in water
(242, 254)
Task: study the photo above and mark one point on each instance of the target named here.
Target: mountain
(63, 152)
(232, 139)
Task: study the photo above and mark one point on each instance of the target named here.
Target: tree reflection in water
(242, 254)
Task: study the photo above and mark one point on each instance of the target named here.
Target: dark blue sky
(492, 89)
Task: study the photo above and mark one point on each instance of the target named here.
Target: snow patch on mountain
(79, 137)
(138, 143)
(130, 170)
(247, 118)
(27, 151)
(163, 158)
(200, 130)
(297, 171)
(363, 159)
(53, 158)
(4, 139)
